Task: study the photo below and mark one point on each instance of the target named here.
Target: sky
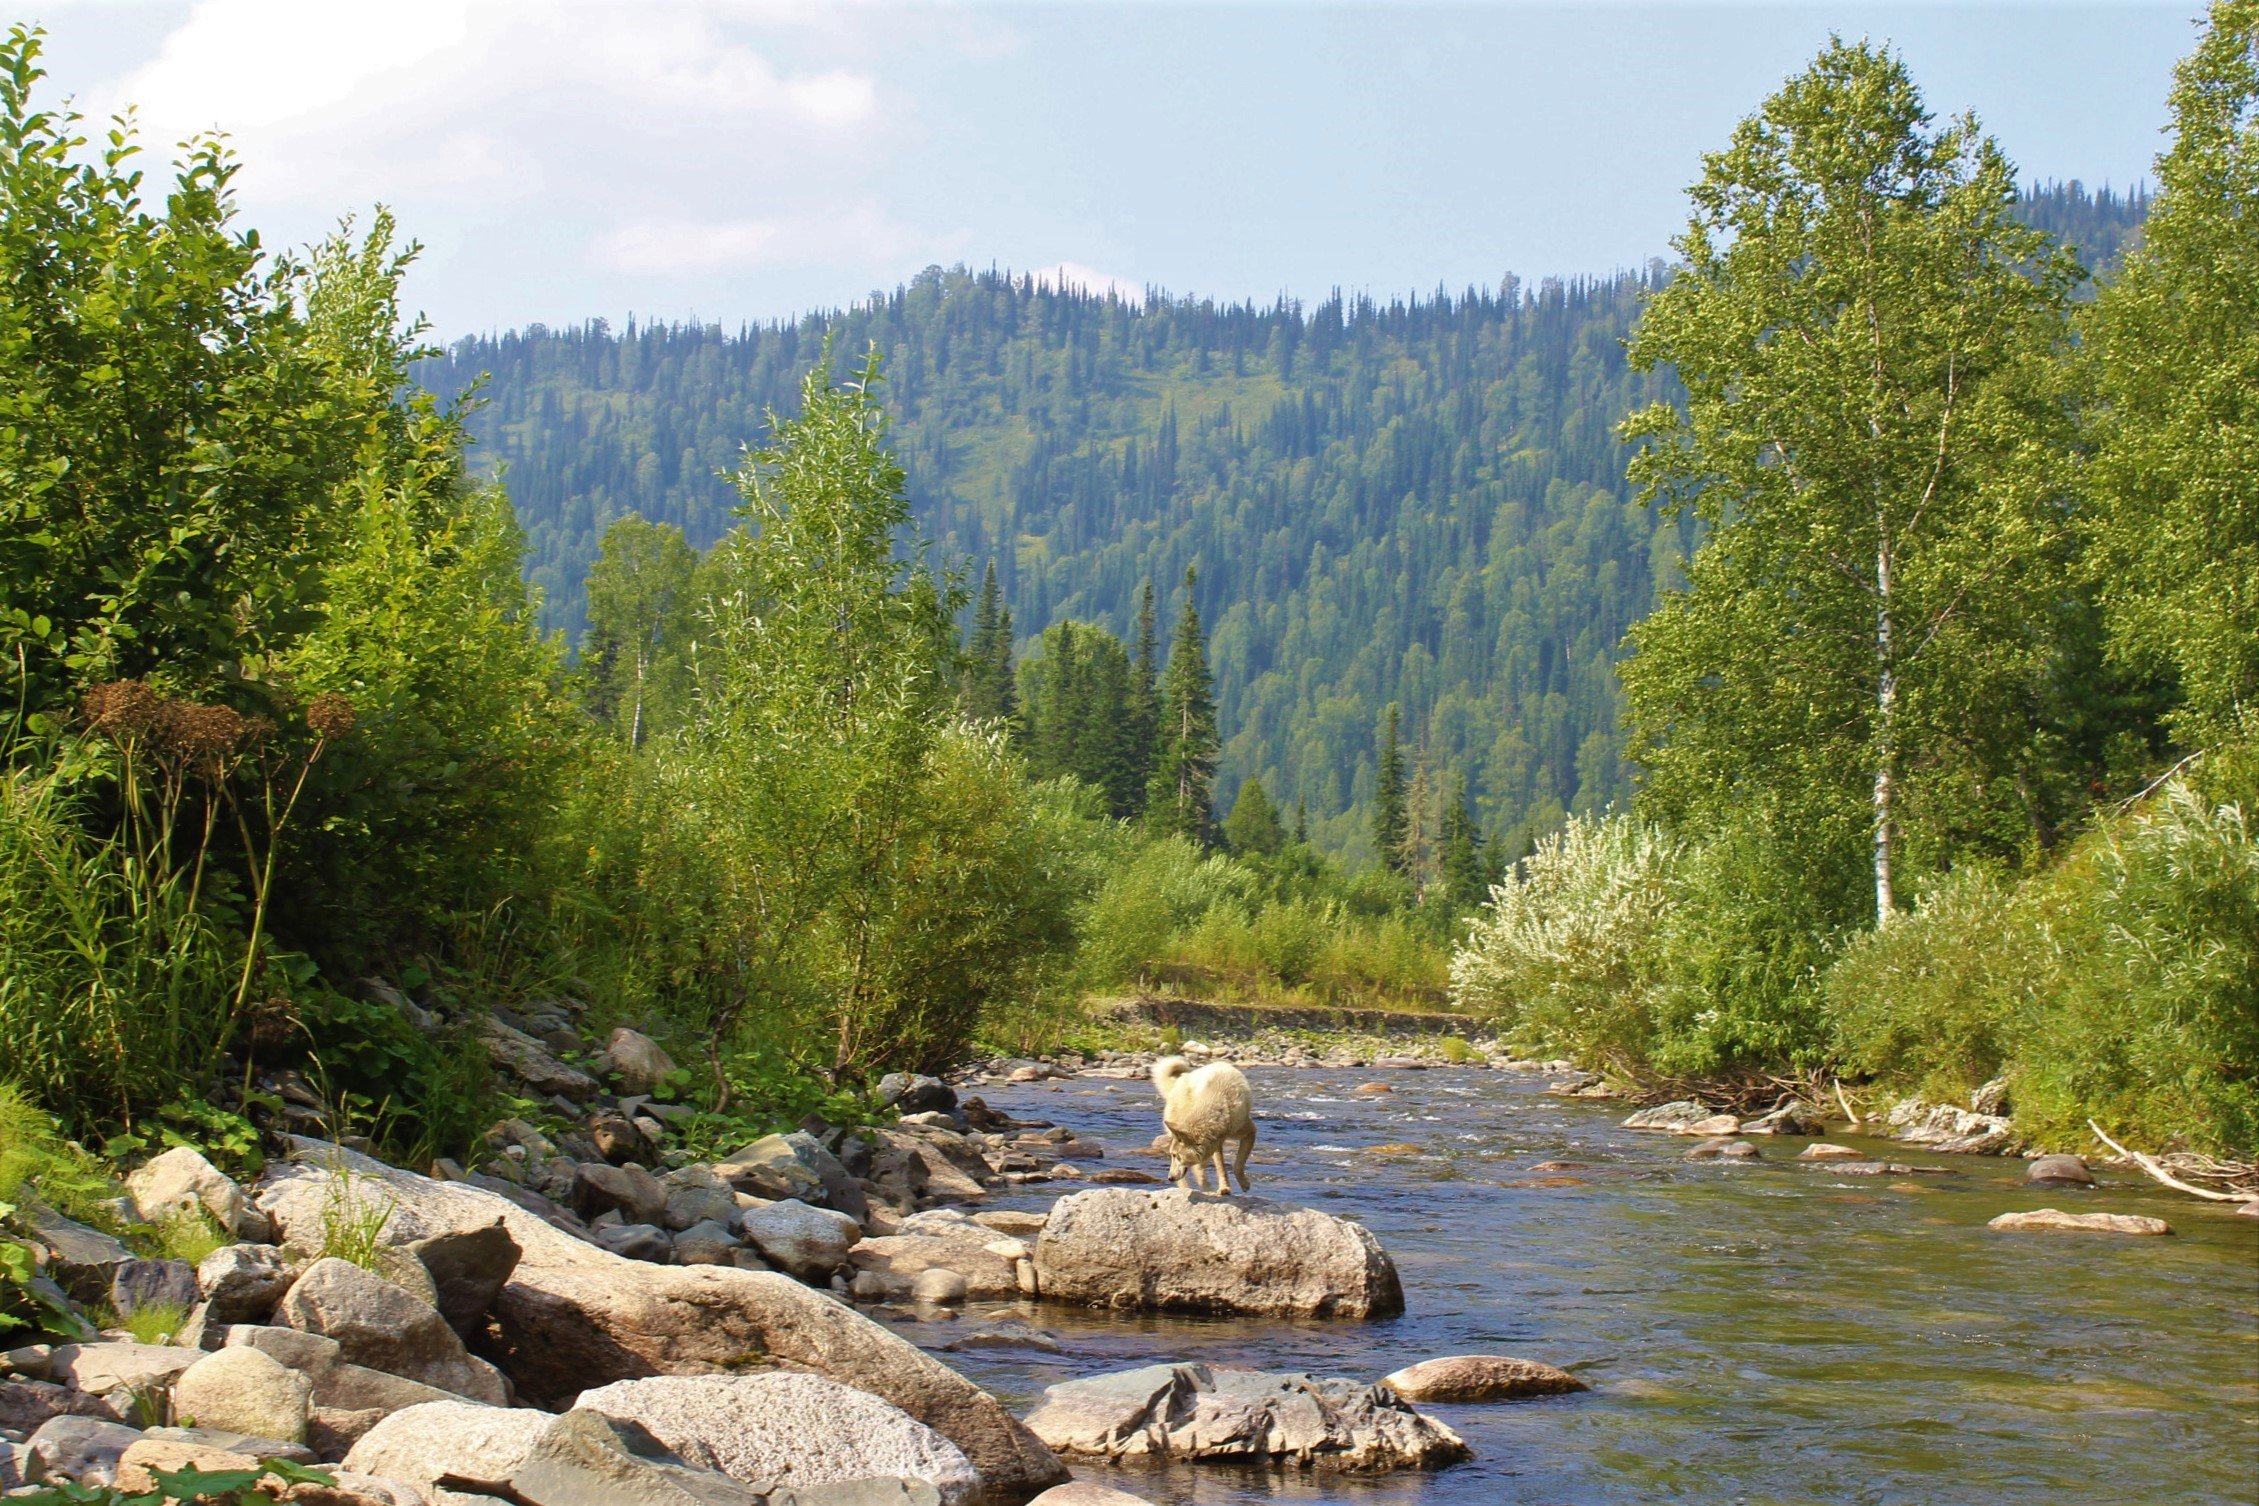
(730, 162)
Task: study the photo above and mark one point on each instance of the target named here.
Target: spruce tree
(1144, 719)
(1301, 823)
(1178, 798)
(980, 652)
(1389, 795)
(1252, 828)
(1465, 872)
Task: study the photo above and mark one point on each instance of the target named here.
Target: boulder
(256, 1446)
(1672, 1116)
(513, 1051)
(139, 1284)
(1794, 1117)
(810, 1243)
(644, 1242)
(386, 1328)
(583, 1459)
(695, 1195)
(2083, 1223)
(622, 1141)
(915, 1093)
(708, 1243)
(1480, 1377)
(1190, 1412)
(85, 1449)
(467, 1270)
(794, 1166)
(1823, 1151)
(639, 1062)
(1086, 1493)
(630, 1191)
(1188, 1251)
(146, 1369)
(181, 1180)
(2059, 1171)
(144, 1457)
(26, 1404)
(1992, 1098)
(574, 1316)
(341, 1390)
(242, 1283)
(1722, 1148)
(245, 1391)
(80, 1259)
(939, 1286)
(1946, 1128)
(900, 1260)
(442, 1439)
(795, 1430)
(1714, 1127)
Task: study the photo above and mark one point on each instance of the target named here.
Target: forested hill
(1418, 501)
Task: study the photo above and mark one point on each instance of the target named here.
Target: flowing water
(1768, 1333)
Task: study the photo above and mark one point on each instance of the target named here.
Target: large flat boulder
(797, 1430)
(388, 1328)
(1190, 1412)
(576, 1317)
(425, 1444)
(1185, 1251)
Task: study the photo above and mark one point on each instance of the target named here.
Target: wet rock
(1723, 1149)
(796, 1430)
(1124, 1176)
(574, 1316)
(1372, 1088)
(521, 1056)
(85, 1449)
(1006, 1334)
(708, 1243)
(1673, 1116)
(1186, 1251)
(630, 1191)
(1827, 1152)
(645, 1242)
(245, 1391)
(640, 1062)
(2082, 1223)
(1190, 1412)
(1480, 1377)
(468, 1270)
(180, 1181)
(1086, 1493)
(1711, 1128)
(138, 1284)
(384, 1327)
(914, 1093)
(811, 1243)
(2059, 1171)
(242, 1283)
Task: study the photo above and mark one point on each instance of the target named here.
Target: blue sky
(728, 161)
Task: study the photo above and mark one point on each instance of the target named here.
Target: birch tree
(1862, 327)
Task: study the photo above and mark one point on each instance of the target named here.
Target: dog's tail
(1167, 1070)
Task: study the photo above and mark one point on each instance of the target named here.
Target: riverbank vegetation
(1980, 560)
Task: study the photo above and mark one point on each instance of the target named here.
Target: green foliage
(356, 1210)
(1253, 825)
(1390, 824)
(1079, 698)
(2172, 357)
(1456, 1050)
(155, 1322)
(189, 1487)
(641, 623)
(1179, 797)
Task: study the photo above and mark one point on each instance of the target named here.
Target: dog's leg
(1239, 1157)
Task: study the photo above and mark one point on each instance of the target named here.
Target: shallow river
(1753, 1334)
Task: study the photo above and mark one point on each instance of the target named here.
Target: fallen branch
(2161, 1174)
(1848, 1111)
(2152, 787)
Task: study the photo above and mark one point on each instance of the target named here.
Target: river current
(1758, 1334)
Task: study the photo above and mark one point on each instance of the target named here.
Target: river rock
(1947, 1128)
(639, 1061)
(630, 1191)
(574, 1316)
(1190, 1412)
(146, 1369)
(695, 1195)
(1480, 1377)
(796, 1430)
(81, 1259)
(1086, 1493)
(348, 1399)
(1714, 1127)
(85, 1449)
(138, 1284)
(707, 1243)
(2088, 1223)
(245, 1391)
(810, 1243)
(468, 1270)
(1794, 1117)
(449, 1438)
(182, 1180)
(386, 1328)
(644, 1242)
(2059, 1171)
(25, 1404)
(1673, 1116)
(1186, 1251)
(521, 1056)
(915, 1093)
(1824, 1151)
(1722, 1148)
(242, 1283)
(584, 1459)
(138, 1464)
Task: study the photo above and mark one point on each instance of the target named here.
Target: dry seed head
(197, 731)
(330, 715)
(121, 709)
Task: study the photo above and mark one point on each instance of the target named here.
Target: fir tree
(1253, 827)
(981, 689)
(1178, 798)
(1389, 795)
(1301, 823)
(1466, 870)
(1144, 722)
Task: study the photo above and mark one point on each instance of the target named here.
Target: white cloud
(861, 235)
(1073, 274)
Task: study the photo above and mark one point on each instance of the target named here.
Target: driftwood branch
(2149, 1164)
(1849, 1112)
(2150, 789)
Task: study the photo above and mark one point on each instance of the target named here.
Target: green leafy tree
(1863, 327)
(1391, 795)
(2172, 345)
(640, 620)
(1253, 826)
(1179, 797)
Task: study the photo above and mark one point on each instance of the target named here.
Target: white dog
(1203, 1109)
